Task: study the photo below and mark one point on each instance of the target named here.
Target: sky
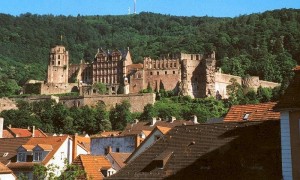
(215, 8)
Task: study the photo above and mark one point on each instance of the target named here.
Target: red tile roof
(92, 165)
(7, 134)
(290, 99)
(230, 150)
(256, 112)
(19, 132)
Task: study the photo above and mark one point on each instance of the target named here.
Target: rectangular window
(157, 73)
(117, 149)
(166, 72)
(58, 62)
(173, 72)
(22, 157)
(151, 73)
(38, 156)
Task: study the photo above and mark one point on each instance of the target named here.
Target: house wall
(285, 145)
(64, 152)
(126, 144)
(295, 142)
(7, 177)
(147, 143)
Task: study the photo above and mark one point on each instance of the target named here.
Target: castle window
(154, 65)
(191, 57)
(174, 65)
(197, 57)
(58, 56)
(58, 62)
(173, 72)
(158, 66)
(157, 73)
(171, 65)
(52, 62)
(166, 72)
(151, 73)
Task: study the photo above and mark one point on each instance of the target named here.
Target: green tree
(120, 115)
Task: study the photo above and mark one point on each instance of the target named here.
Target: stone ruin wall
(137, 101)
(7, 104)
(191, 75)
(222, 81)
(58, 88)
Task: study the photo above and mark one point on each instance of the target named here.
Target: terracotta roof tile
(136, 128)
(7, 134)
(19, 132)
(92, 165)
(256, 112)
(164, 130)
(54, 141)
(290, 99)
(46, 146)
(28, 147)
(229, 150)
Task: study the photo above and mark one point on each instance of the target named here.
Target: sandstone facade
(185, 74)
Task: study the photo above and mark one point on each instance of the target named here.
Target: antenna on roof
(134, 6)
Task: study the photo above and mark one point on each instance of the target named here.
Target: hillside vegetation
(266, 45)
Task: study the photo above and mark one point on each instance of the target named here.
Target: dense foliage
(266, 45)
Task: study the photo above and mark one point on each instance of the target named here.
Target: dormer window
(21, 157)
(38, 156)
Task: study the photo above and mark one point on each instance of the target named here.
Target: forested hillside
(267, 44)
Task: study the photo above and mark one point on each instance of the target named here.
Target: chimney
(195, 120)
(1, 127)
(33, 131)
(9, 126)
(173, 119)
(153, 121)
(74, 147)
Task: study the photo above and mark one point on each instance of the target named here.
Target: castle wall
(7, 104)
(191, 74)
(268, 84)
(222, 81)
(169, 79)
(58, 88)
(137, 101)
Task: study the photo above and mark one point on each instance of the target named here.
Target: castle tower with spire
(58, 65)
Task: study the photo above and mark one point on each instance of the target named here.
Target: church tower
(58, 66)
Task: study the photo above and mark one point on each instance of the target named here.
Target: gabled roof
(27, 147)
(92, 165)
(230, 150)
(137, 128)
(7, 134)
(55, 142)
(163, 130)
(119, 158)
(8, 148)
(252, 112)
(4, 169)
(45, 147)
(290, 100)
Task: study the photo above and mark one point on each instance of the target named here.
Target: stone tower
(58, 66)
(207, 80)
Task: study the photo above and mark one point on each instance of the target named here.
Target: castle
(185, 74)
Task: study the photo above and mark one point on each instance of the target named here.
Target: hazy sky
(217, 8)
